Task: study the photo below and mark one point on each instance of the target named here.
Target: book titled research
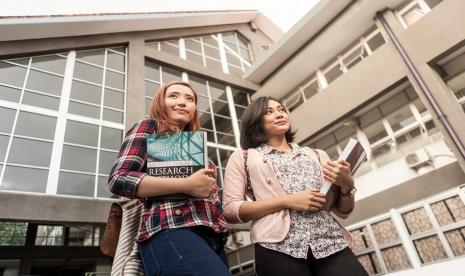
(176, 155)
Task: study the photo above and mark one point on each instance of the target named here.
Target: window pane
(169, 74)
(12, 233)
(449, 210)
(152, 71)
(84, 110)
(8, 116)
(111, 138)
(115, 80)
(115, 61)
(370, 263)
(30, 152)
(214, 64)
(87, 159)
(112, 116)
(401, 118)
(456, 239)
(375, 132)
(44, 82)
(102, 190)
(413, 15)
(76, 184)
(430, 249)
(55, 64)
(151, 88)
(93, 56)
(81, 133)
(25, 179)
(333, 73)
(106, 161)
(35, 125)
(212, 52)
(49, 235)
(12, 74)
(311, 90)
(3, 146)
(9, 94)
(86, 92)
(217, 91)
(395, 258)
(39, 100)
(385, 232)
(197, 58)
(81, 235)
(88, 72)
(199, 85)
(170, 48)
(113, 99)
(193, 45)
(394, 103)
(361, 240)
(417, 221)
(375, 42)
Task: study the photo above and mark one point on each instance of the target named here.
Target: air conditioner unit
(418, 158)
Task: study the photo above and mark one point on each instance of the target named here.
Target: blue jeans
(184, 251)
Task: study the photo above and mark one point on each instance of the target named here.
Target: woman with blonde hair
(176, 237)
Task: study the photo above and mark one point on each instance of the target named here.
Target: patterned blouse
(318, 231)
(129, 169)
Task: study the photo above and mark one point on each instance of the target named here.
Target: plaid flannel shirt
(129, 169)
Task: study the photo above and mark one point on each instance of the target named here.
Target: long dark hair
(252, 132)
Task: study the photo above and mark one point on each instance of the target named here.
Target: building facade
(390, 73)
(69, 88)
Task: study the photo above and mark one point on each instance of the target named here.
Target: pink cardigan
(273, 227)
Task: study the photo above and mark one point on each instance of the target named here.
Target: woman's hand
(200, 184)
(307, 200)
(338, 172)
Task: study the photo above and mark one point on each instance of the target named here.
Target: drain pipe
(423, 88)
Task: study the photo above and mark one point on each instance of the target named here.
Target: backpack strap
(248, 189)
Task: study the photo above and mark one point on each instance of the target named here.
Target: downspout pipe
(442, 117)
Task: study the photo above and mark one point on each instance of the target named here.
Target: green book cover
(176, 155)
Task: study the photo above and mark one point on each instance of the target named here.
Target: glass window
(115, 80)
(311, 89)
(152, 71)
(25, 179)
(401, 118)
(170, 47)
(12, 74)
(170, 74)
(81, 235)
(13, 233)
(30, 152)
(53, 63)
(113, 98)
(87, 159)
(151, 88)
(50, 235)
(35, 125)
(361, 240)
(413, 14)
(9, 94)
(217, 91)
(393, 103)
(4, 139)
(102, 190)
(88, 72)
(107, 158)
(39, 100)
(333, 73)
(86, 92)
(384, 232)
(370, 263)
(76, 184)
(44, 82)
(376, 41)
(113, 116)
(115, 61)
(81, 133)
(8, 116)
(84, 110)
(111, 138)
(93, 56)
(193, 44)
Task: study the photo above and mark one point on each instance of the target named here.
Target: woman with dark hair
(292, 228)
(176, 237)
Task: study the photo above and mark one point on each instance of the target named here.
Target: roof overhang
(319, 36)
(35, 27)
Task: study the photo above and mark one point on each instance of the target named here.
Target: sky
(284, 13)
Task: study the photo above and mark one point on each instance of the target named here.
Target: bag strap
(249, 190)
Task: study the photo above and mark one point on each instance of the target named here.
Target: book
(355, 154)
(176, 155)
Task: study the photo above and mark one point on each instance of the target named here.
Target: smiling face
(275, 120)
(180, 104)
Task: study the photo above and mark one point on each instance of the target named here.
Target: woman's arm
(128, 179)
(237, 210)
(338, 172)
